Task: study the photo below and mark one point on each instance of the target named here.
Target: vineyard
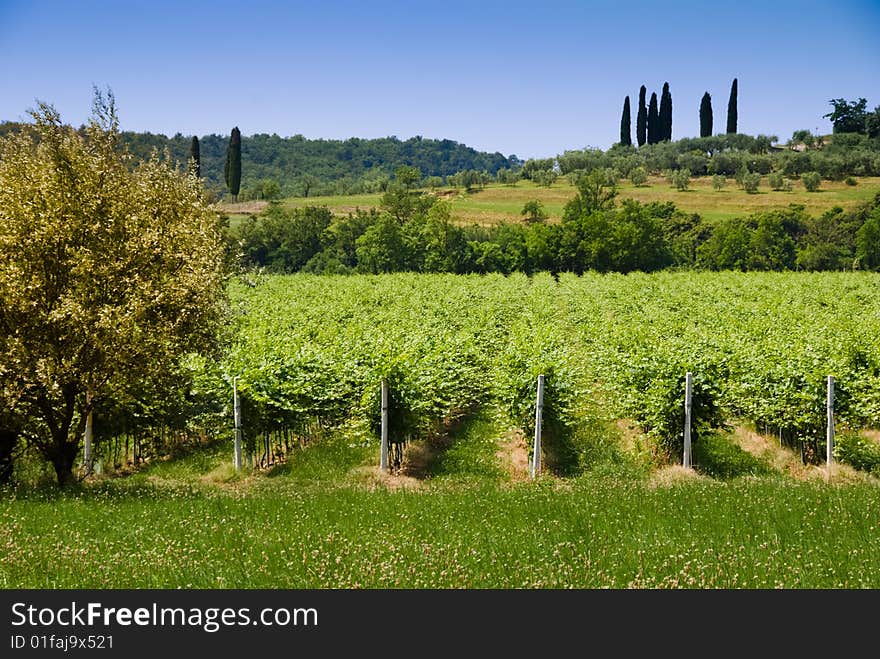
(309, 353)
(461, 355)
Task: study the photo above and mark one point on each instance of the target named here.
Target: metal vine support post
(383, 454)
(688, 393)
(535, 467)
(236, 407)
(829, 458)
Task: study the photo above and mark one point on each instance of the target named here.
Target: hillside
(326, 166)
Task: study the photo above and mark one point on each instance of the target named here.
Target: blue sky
(526, 78)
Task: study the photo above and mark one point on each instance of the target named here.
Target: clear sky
(526, 78)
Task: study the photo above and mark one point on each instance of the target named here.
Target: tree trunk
(63, 459)
(8, 441)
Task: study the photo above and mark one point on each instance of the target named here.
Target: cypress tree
(731, 109)
(706, 116)
(653, 120)
(194, 154)
(642, 118)
(665, 113)
(232, 170)
(626, 125)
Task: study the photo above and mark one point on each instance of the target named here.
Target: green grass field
(328, 519)
(498, 203)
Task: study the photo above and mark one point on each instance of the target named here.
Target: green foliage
(533, 211)
(544, 177)
(103, 291)
(626, 124)
(750, 182)
(848, 117)
(732, 114)
(776, 180)
(232, 169)
(860, 452)
(718, 182)
(812, 181)
(868, 241)
(195, 157)
(851, 181)
(654, 127)
(638, 176)
(642, 118)
(717, 456)
(681, 178)
(665, 114)
(706, 115)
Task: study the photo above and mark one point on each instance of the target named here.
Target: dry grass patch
(513, 455)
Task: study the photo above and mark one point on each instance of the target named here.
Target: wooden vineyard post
(87, 445)
(688, 392)
(236, 410)
(535, 467)
(829, 458)
(383, 451)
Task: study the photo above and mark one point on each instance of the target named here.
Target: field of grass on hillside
(497, 203)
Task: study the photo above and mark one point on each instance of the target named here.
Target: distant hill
(337, 166)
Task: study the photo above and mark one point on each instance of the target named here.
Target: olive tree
(108, 274)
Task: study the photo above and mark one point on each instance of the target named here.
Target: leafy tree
(872, 123)
(847, 117)
(718, 182)
(868, 240)
(731, 108)
(381, 248)
(665, 114)
(642, 118)
(626, 124)
(507, 176)
(751, 182)
(544, 177)
(232, 170)
(638, 176)
(269, 189)
(408, 177)
(653, 121)
(533, 211)
(594, 194)
(108, 274)
(811, 181)
(681, 178)
(706, 116)
(776, 180)
(542, 247)
(195, 157)
(741, 174)
(307, 183)
(434, 182)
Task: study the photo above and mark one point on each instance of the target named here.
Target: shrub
(812, 181)
(639, 176)
(776, 180)
(859, 452)
(751, 182)
(681, 178)
(718, 182)
(533, 211)
(851, 181)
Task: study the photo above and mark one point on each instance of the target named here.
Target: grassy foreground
(328, 520)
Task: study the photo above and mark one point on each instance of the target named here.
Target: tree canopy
(108, 275)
